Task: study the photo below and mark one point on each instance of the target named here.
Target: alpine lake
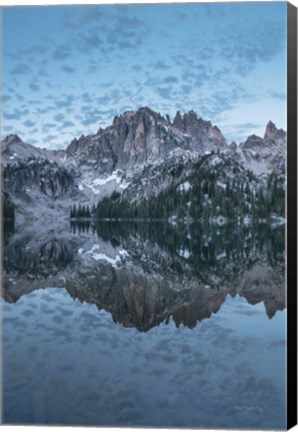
(144, 325)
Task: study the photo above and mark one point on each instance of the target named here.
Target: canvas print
(143, 205)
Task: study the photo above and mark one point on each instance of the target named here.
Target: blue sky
(68, 70)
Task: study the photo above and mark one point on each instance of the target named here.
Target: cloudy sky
(68, 70)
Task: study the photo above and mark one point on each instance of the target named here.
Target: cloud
(160, 64)
(88, 42)
(20, 69)
(245, 47)
(103, 100)
(165, 92)
(28, 123)
(36, 49)
(34, 86)
(10, 54)
(170, 79)
(5, 98)
(123, 17)
(196, 75)
(126, 32)
(65, 103)
(33, 132)
(62, 51)
(120, 31)
(137, 68)
(247, 126)
(30, 102)
(50, 137)
(20, 98)
(111, 98)
(45, 110)
(180, 16)
(86, 97)
(46, 127)
(42, 73)
(93, 66)
(33, 141)
(278, 95)
(93, 115)
(71, 21)
(68, 69)
(59, 117)
(92, 14)
(16, 115)
(67, 124)
(6, 130)
(186, 89)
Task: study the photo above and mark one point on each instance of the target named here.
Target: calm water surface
(144, 326)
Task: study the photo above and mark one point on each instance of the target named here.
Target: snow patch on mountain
(184, 187)
(103, 185)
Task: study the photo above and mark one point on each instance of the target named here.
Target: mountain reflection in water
(145, 273)
(144, 325)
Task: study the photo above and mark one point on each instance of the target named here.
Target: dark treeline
(203, 198)
(82, 211)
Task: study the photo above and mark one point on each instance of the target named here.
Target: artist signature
(248, 408)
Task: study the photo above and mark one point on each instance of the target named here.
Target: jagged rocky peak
(11, 139)
(133, 117)
(189, 121)
(204, 135)
(272, 133)
(178, 121)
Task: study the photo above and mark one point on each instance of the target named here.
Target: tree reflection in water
(144, 273)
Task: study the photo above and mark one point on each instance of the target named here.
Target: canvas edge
(291, 215)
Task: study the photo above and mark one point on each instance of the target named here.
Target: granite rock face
(143, 137)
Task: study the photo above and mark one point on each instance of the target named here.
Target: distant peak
(191, 113)
(12, 138)
(146, 109)
(271, 124)
(272, 132)
(9, 141)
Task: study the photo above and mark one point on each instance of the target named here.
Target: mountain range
(140, 154)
